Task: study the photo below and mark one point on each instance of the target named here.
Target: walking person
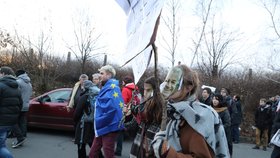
(262, 119)
(10, 106)
(107, 114)
(194, 129)
(149, 115)
(75, 94)
(130, 98)
(20, 129)
(84, 127)
(221, 108)
(236, 118)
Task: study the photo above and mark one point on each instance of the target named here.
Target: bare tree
(272, 7)
(86, 42)
(205, 9)
(215, 52)
(171, 22)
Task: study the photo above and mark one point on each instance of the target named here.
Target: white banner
(142, 17)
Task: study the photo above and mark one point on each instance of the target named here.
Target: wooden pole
(157, 91)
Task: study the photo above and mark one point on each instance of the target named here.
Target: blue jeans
(4, 152)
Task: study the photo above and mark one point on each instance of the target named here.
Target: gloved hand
(160, 144)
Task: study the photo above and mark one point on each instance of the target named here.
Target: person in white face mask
(194, 129)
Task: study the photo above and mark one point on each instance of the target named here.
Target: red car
(49, 110)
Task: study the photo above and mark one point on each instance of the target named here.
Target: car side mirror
(40, 100)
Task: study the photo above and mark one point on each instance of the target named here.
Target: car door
(50, 109)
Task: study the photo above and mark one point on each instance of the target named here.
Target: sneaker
(256, 147)
(264, 148)
(18, 143)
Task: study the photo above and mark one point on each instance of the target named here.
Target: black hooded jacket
(10, 101)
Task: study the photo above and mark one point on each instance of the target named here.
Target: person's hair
(108, 69)
(88, 84)
(153, 107)
(83, 76)
(128, 79)
(237, 97)
(269, 102)
(7, 70)
(263, 99)
(20, 72)
(96, 75)
(190, 80)
(152, 81)
(208, 90)
(226, 90)
(220, 98)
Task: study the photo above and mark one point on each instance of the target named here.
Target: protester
(10, 106)
(262, 119)
(108, 114)
(236, 119)
(20, 129)
(130, 98)
(194, 129)
(84, 128)
(220, 107)
(149, 113)
(75, 94)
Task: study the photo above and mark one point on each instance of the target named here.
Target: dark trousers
(119, 142)
(276, 152)
(235, 132)
(20, 129)
(107, 142)
(82, 150)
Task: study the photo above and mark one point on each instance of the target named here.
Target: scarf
(203, 119)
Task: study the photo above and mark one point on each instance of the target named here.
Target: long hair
(153, 107)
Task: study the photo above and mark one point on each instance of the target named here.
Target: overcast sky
(30, 17)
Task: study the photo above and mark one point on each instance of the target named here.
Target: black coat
(10, 101)
(236, 113)
(276, 123)
(87, 127)
(263, 117)
(208, 101)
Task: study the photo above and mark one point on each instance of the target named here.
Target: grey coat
(26, 90)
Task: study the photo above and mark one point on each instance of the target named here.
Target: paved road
(57, 144)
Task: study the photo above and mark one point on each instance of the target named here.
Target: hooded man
(10, 106)
(20, 129)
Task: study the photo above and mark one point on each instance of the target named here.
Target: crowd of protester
(104, 110)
